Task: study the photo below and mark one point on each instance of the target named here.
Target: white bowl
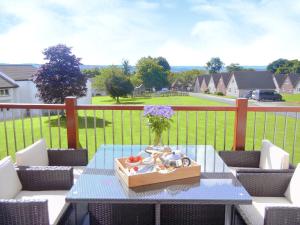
(148, 161)
(132, 164)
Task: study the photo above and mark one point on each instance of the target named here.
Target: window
(4, 92)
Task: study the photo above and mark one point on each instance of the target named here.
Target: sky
(185, 32)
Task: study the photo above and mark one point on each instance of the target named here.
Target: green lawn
(110, 129)
(295, 98)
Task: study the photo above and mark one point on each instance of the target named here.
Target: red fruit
(131, 159)
(135, 168)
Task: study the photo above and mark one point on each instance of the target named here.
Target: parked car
(249, 95)
(266, 95)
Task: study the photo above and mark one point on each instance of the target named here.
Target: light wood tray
(155, 177)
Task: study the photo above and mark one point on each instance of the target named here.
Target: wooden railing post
(240, 125)
(72, 122)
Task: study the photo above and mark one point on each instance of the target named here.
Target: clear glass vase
(157, 140)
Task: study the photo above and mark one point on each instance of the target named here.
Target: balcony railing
(236, 127)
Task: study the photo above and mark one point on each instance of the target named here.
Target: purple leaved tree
(60, 76)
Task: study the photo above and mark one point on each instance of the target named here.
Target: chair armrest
(241, 158)
(265, 184)
(259, 170)
(282, 215)
(38, 178)
(24, 212)
(68, 157)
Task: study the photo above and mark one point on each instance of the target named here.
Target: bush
(206, 91)
(220, 93)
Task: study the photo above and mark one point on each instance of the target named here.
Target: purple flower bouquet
(159, 120)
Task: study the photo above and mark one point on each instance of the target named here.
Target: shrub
(206, 91)
(220, 93)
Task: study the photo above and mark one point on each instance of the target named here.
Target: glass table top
(217, 185)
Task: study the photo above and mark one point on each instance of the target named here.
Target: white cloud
(105, 31)
(249, 32)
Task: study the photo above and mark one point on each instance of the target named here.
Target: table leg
(228, 214)
(81, 211)
(157, 214)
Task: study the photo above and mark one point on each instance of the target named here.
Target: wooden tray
(155, 177)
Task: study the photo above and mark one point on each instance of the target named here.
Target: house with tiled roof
(279, 80)
(197, 84)
(214, 81)
(291, 84)
(204, 83)
(241, 82)
(16, 83)
(223, 83)
(17, 86)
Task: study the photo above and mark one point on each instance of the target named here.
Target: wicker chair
(68, 157)
(248, 162)
(37, 154)
(271, 203)
(37, 194)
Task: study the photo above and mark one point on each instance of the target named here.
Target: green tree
(186, 77)
(126, 67)
(105, 73)
(151, 73)
(118, 86)
(273, 66)
(91, 72)
(164, 63)
(214, 65)
(234, 67)
(291, 66)
(60, 76)
(136, 80)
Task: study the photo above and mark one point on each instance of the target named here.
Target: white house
(241, 82)
(278, 81)
(291, 84)
(213, 82)
(16, 86)
(197, 84)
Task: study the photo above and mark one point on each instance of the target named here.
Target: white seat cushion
(34, 155)
(56, 202)
(254, 214)
(10, 184)
(292, 192)
(77, 171)
(273, 157)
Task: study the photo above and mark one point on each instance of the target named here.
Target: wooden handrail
(141, 107)
(273, 109)
(31, 106)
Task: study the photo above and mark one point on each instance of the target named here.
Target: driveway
(250, 102)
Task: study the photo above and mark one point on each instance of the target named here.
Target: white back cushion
(273, 157)
(34, 155)
(292, 192)
(10, 184)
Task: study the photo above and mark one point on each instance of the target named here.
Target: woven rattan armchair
(33, 211)
(269, 191)
(68, 157)
(248, 162)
